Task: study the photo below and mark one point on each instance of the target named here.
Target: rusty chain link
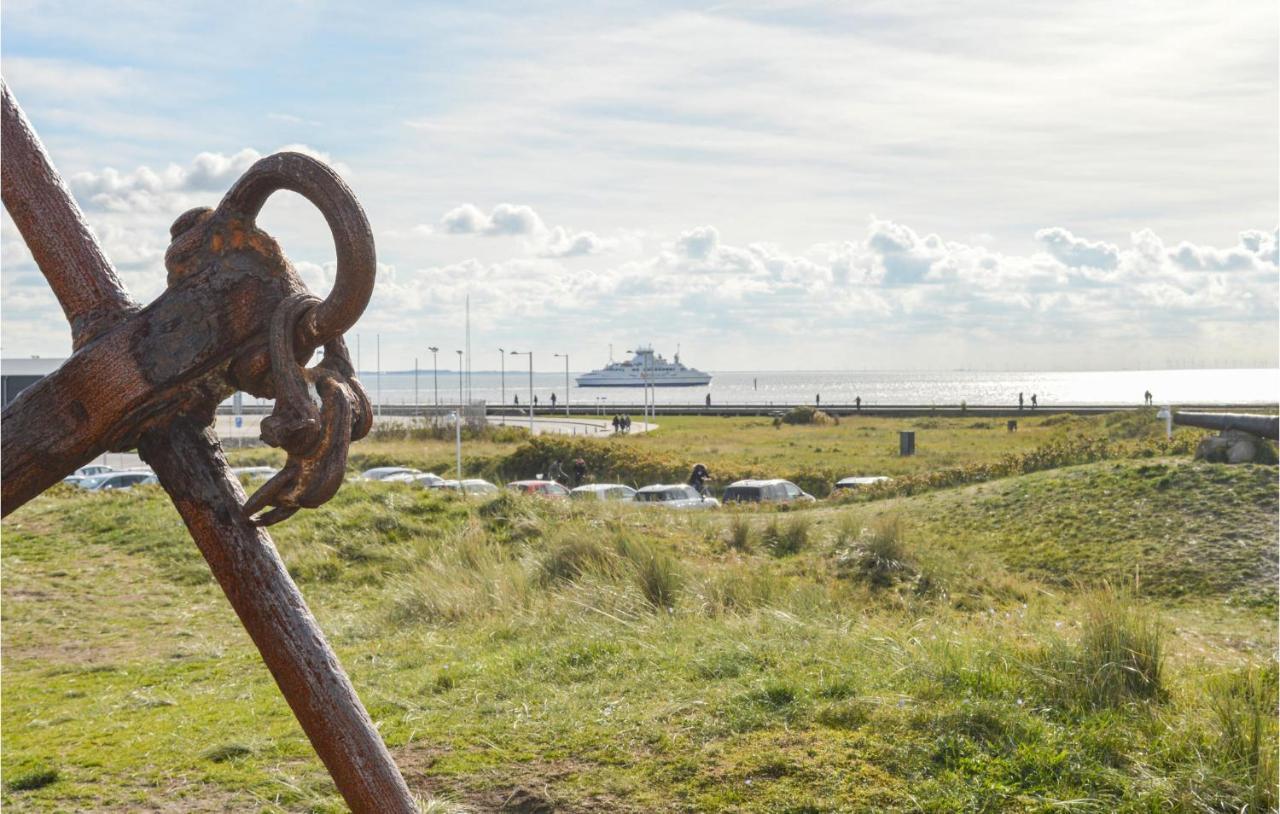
(318, 412)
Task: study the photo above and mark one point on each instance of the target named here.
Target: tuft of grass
(33, 779)
(784, 540)
(879, 556)
(740, 534)
(226, 752)
(1245, 713)
(1119, 657)
(575, 556)
(656, 574)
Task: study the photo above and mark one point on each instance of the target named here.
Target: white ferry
(645, 368)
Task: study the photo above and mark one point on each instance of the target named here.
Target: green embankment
(948, 651)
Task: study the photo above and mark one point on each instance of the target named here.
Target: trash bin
(906, 443)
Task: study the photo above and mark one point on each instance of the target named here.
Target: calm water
(1125, 387)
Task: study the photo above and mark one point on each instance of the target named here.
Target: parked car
(386, 472)
(427, 480)
(470, 487)
(774, 490)
(541, 488)
(255, 472)
(675, 496)
(603, 491)
(117, 480)
(87, 472)
(860, 482)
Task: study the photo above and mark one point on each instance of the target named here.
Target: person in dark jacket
(579, 471)
(698, 478)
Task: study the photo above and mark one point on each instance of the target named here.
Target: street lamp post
(644, 382)
(435, 373)
(502, 359)
(457, 434)
(459, 382)
(528, 353)
(566, 381)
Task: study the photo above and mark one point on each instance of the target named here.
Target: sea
(1257, 386)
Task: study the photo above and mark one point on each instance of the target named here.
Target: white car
(255, 472)
(401, 473)
(603, 491)
(117, 480)
(471, 487)
(675, 496)
(87, 472)
(774, 490)
(860, 482)
(426, 480)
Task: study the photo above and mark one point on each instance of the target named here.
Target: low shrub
(806, 415)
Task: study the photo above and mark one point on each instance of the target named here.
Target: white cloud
(698, 243)
(1075, 252)
(505, 219)
(166, 190)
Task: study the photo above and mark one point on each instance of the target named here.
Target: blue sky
(866, 185)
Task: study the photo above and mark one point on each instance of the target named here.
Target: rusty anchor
(234, 316)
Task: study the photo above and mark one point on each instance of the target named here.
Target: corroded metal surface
(1263, 426)
(152, 378)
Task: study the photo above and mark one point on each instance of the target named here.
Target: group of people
(622, 423)
(576, 476)
(1034, 403)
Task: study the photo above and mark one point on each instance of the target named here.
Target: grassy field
(1096, 637)
(733, 448)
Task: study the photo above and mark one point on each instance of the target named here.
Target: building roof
(29, 366)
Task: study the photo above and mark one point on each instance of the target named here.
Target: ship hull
(673, 381)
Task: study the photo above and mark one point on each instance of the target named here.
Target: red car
(541, 488)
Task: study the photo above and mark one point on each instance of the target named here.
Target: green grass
(1096, 637)
(813, 456)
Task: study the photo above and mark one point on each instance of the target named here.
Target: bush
(804, 414)
(1118, 658)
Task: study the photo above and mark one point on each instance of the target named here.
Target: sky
(867, 185)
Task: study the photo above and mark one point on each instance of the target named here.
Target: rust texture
(152, 378)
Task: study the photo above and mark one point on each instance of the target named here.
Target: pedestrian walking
(857, 403)
(708, 399)
(579, 472)
(817, 400)
(1019, 401)
(553, 401)
(1033, 401)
